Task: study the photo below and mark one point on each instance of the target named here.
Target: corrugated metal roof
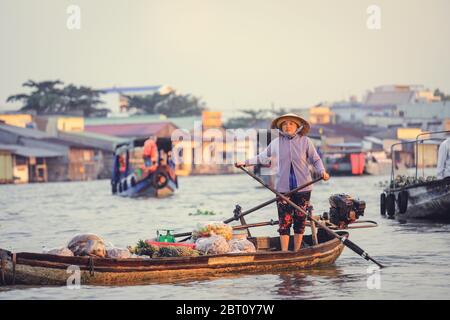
(151, 118)
(68, 143)
(7, 147)
(129, 130)
(89, 136)
(31, 152)
(94, 140)
(24, 132)
(130, 89)
(185, 123)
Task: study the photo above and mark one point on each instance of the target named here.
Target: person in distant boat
(443, 166)
(150, 154)
(293, 152)
(122, 164)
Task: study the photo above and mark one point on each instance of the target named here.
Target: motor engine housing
(344, 210)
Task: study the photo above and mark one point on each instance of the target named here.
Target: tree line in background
(254, 118)
(170, 104)
(441, 94)
(53, 97)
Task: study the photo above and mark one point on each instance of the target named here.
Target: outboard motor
(344, 210)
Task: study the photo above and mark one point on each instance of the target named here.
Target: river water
(37, 216)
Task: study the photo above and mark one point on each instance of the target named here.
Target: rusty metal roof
(31, 151)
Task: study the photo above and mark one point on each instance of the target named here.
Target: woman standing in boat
(292, 151)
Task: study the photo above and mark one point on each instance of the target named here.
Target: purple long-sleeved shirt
(284, 151)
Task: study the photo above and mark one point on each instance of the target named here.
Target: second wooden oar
(275, 222)
(238, 215)
(262, 205)
(238, 227)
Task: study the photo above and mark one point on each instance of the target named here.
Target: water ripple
(48, 215)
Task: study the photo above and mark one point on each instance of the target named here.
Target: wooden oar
(239, 215)
(349, 244)
(262, 205)
(275, 222)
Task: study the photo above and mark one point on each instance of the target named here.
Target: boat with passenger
(144, 167)
(46, 269)
(416, 197)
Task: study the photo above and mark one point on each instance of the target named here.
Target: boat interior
(273, 243)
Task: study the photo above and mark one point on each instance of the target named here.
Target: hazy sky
(234, 54)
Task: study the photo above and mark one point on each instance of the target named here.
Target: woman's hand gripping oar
(349, 244)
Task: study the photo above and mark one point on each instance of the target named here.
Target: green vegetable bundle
(144, 249)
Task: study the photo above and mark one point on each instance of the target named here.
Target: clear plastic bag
(118, 253)
(213, 228)
(87, 245)
(212, 245)
(60, 252)
(241, 245)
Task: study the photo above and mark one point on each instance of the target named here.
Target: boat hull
(429, 200)
(43, 269)
(145, 188)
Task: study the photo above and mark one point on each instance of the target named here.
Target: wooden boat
(44, 269)
(156, 184)
(344, 162)
(131, 178)
(418, 199)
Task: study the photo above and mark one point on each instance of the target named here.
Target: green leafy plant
(172, 251)
(403, 181)
(142, 248)
(53, 97)
(203, 213)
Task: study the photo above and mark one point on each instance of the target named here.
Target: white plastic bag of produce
(118, 253)
(87, 245)
(213, 228)
(60, 252)
(212, 245)
(241, 245)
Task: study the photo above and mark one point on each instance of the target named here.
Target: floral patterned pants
(287, 215)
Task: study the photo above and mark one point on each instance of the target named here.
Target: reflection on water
(298, 284)
(49, 215)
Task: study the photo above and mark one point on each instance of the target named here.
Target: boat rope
(4, 255)
(14, 261)
(2, 269)
(91, 267)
